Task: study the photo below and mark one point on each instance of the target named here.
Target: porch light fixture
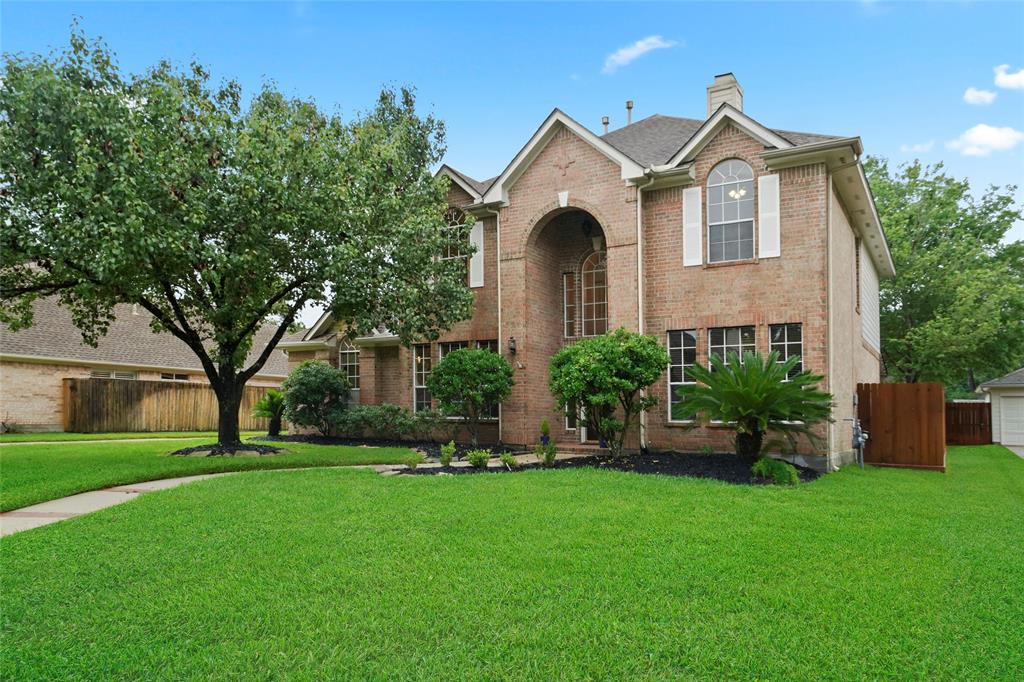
(512, 345)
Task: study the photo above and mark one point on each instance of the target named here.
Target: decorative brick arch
(545, 215)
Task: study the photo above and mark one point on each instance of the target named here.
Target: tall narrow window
(595, 294)
(730, 212)
(421, 365)
(682, 353)
(569, 304)
(455, 247)
(725, 340)
(348, 363)
(788, 340)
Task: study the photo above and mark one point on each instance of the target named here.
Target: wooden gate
(113, 405)
(906, 424)
(968, 423)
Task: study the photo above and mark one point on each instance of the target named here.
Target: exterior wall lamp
(512, 345)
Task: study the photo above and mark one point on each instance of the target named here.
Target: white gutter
(640, 321)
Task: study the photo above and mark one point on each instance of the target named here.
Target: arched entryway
(567, 294)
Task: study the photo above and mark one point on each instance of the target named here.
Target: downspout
(640, 284)
(828, 310)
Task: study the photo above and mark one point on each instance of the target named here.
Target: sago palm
(271, 406)
(755, 397)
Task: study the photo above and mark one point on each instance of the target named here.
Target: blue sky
(895, 74)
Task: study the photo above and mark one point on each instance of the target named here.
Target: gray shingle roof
(480, 186)
(652, 141)
(1015, 378)
(129, 341)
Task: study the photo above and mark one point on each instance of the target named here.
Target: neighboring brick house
(34, 361)
(712, 235)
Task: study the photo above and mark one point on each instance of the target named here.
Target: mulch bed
(430, 449)
(725, 467)
(248, 449)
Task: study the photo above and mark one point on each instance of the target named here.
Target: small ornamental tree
(316, 395)
(469, 382)
(606, 376)
(755, 397)
(271, 406)
(217, 213)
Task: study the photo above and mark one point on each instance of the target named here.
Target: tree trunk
(972, 383)
(749, 444)
(229, 401)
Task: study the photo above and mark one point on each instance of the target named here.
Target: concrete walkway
(1017, 450)
(45, 513)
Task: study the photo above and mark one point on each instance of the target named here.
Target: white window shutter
(476, 262)
(769, 242)
(692, 227)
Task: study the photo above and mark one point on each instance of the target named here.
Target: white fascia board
(378, 340)
(833, 153)
(316, 329)
(452, 174)
(851, 184)
(498, 191)
(727, 113)
(304, 345)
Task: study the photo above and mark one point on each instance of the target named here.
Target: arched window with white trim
(594, 276)
(730, 211)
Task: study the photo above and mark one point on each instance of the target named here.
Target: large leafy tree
(214, 214)
(954, 313)
(607, 376)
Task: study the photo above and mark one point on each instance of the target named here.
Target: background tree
(954, 313)
(756, 397)
(271, 407)
(605, 376)
(212, 215)
(316, 395)
(468, 382)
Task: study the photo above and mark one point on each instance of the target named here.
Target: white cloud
(973, 95)
(982, 140)
(625, 55)
(1010, 81)
(920, 148)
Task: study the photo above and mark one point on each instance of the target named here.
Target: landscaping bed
(216, 450)
(726, 467)
(428, 448)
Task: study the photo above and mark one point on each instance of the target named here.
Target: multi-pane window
(569, 304)
(421, 365)
(730, 212)
(725, 340)
(348, 363)
(788, 340)
(682, 353)
(107, 374)
(455, 246)
(169, 376)
(595, 294)
(444, 349)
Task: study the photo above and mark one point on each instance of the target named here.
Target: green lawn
(868, 574)
(36, 473)
(61, 437)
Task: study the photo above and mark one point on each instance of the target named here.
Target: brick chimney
(725, 90)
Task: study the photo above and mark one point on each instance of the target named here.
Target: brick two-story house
(714, 235)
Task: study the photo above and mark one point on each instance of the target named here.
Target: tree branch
(272, 344)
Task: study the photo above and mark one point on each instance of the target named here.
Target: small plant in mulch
(546, 453)
(249, 449)
(478, 458)
(775, 471)
(447, 452)
(509, 460)
(414, 460)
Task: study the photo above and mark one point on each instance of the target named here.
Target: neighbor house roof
(1014, 378)
(129, 341)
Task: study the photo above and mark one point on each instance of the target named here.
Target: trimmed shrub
(478, 458)
(414, 460)
(427, 423)
(390, 421)
(509, 460)
(315, 395)
(781, 473)
(447, 452)
(546, 453)
(467, 383)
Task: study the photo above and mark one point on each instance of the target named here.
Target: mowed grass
(62, 436)
(31, 473)
(334, 574)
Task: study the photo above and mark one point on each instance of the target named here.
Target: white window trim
(668, 374)
(583, 298)
(566, 304)
(753, 218)
(415, 386)
(751, 347)
(786, 342)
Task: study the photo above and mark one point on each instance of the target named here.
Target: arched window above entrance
(594, 289)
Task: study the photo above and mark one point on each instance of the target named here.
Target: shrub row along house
(35, 361)
(715, 235)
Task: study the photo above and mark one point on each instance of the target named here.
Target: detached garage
(1007, 395)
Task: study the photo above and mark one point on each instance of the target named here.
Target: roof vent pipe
(629, 111)
(604, 122)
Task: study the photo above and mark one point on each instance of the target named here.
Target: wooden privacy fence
(968, 423)
(906, 424)
(110, 405)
